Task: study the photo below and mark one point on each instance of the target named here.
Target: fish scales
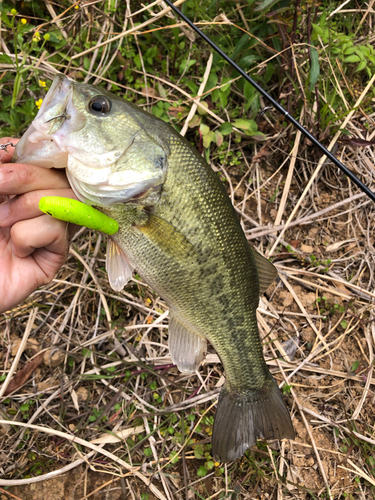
(215, 291)
(180, 232)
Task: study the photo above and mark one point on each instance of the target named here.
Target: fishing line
(276, 105)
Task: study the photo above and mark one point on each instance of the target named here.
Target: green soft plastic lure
(76, 212)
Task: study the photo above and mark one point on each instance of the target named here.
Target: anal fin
(117, 265)
(187, 349)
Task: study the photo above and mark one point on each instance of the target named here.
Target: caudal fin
(242, 417)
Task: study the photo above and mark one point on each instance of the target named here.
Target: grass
(115, 372)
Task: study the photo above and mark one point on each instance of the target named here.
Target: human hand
(33, 246)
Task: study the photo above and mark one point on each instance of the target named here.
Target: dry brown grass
(107, 377)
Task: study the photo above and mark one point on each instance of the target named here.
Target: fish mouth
(43, 143)
(98, 176)
(105, 195)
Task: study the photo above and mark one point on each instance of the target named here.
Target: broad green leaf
(202, 471)
(4, 58)
(248, 90)
(269, 72)
(202, 111)
(223, 100)
(317, 30)
(5, 19)
(349, 50)
(360, 54)
(355, 366)
(208, 138)
(344, 324)
(157, 111)
(265, 5)
(240, 44)
(226, 128)
(204, 129)
(315, 69)
(161, 90)
(219, 139)
(209, 464)
(361, 66)
(254, 103)
(151, 52)
(226, 85)
(137, 61)
(191, 85)
(174, 457)
(215, 95)
(364, 49)
(247, 61)
(352, 59)
(195, 121)
(199, 451)
(247, 125)
(185, 65)
(211, 82)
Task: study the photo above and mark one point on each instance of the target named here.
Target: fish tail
(242, 417)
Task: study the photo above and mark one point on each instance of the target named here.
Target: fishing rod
(276, 105)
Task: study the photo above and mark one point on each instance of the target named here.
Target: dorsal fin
(267, 272)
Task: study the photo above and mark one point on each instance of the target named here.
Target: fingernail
(4, 211)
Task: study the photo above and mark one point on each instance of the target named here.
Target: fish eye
(100, 105)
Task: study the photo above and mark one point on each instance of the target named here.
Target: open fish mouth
(43, 142)
(73, 130)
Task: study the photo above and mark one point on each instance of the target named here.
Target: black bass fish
(180, 232)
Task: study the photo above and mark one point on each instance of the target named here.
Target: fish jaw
(109, 159)
(44, 143)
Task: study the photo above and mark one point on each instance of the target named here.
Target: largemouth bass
(180, 232)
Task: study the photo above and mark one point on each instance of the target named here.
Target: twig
(193, 109)
(320, 165)
(29, 326)
(128, 32)
(98, 449)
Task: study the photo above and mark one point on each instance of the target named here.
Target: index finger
(18, 178)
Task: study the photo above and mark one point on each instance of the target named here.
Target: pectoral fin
(167, 238)
(267, 272)
(117, 265)
(187, 348)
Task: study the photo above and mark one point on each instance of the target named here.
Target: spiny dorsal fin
(266, 271)
(187, 349)
(166, 237)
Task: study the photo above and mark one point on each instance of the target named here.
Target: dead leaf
(354, 141)
(179, 111)
(23, 375)
(263, 153)
(149, 92)
(295, 243)
(338, 244)
(120, 435)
